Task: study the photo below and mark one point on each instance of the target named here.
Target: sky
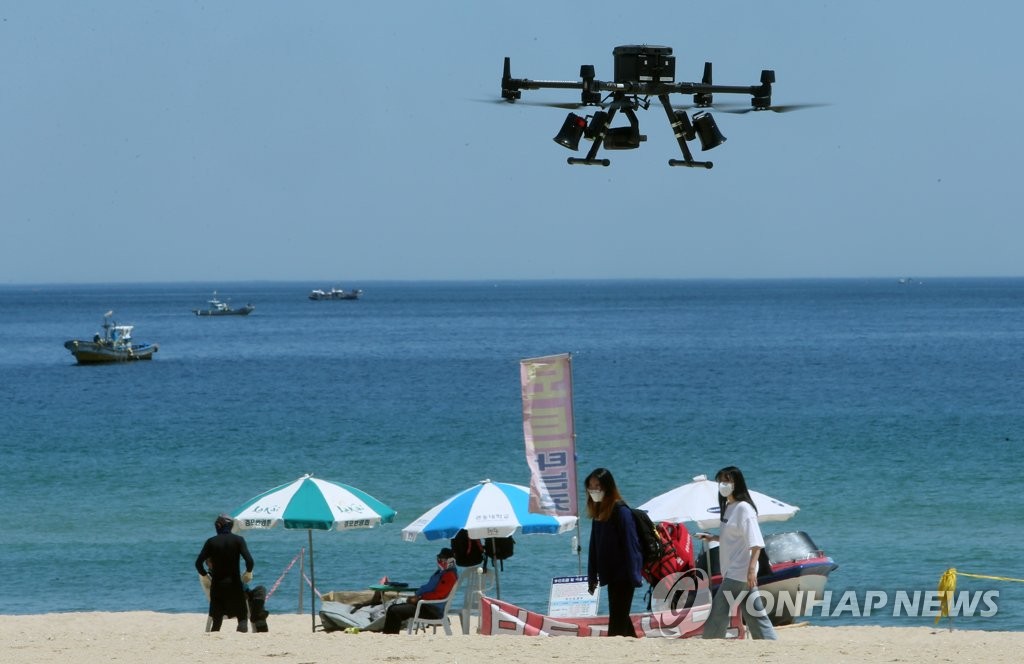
(336, 142)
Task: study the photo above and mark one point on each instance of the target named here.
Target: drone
(642, 74)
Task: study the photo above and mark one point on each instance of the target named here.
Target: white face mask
(596, 496)
(725, 489)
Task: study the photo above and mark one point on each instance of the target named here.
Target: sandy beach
(156, 638)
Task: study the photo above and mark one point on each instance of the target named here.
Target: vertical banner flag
(549, 433)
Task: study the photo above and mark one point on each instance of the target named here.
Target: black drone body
(642, 74)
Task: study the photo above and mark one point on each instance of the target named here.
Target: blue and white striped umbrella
(310, 504)
(489, 509)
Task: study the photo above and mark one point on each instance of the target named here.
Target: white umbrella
(698, 502)
(311, 504)
(488, 509)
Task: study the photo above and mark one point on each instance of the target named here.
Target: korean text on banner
(550, 437)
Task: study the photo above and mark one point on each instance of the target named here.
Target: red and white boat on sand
(796, 583)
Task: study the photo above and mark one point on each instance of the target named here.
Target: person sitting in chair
(437, 588)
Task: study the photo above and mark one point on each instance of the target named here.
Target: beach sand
(158, 638)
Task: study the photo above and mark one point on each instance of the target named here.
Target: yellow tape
(947, 586)
(984, 576)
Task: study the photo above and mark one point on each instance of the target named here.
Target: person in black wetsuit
(222, 553)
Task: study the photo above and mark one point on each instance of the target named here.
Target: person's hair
(602, 511)
(740, 493)
(223, 524)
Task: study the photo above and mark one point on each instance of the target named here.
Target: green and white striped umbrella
(310, 504)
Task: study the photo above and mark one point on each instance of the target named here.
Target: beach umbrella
(486, 510)
(697, 502)
(310, 504)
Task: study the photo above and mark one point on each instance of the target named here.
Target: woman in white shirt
(739, 546)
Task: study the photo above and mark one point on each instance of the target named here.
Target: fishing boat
(218, 308)
(799, 572)
(335, 294)
(113, 345)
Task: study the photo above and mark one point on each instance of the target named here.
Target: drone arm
(527, 84)
(704, 88)
(510, 87)
(761, 95)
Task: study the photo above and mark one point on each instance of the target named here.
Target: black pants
(217, 621)
(398, 613)
(620, 600)
(227, 598)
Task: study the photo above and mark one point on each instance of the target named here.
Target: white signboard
(570, 599)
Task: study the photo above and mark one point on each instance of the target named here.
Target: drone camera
(623, 138)
(571, 132)
(645, 64)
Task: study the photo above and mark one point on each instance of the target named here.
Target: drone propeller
(784, 108)
(568, 105)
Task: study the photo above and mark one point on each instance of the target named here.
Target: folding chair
(418, 622)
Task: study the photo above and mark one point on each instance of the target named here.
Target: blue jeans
(756, 621)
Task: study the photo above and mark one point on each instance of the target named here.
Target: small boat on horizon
(218, 308)
(113, 345)
(335, 294)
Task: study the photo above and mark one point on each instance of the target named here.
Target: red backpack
(677, 556)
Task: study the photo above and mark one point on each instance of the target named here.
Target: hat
(446, 553)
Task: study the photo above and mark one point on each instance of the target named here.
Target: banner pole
(579, 547)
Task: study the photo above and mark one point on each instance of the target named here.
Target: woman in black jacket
(614, 559)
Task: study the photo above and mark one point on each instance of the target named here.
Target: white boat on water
(113, 345)
(335, 294)
(218, 308)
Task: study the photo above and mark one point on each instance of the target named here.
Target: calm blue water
(891, 414)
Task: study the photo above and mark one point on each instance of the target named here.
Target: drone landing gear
(574, 161)
(690, 163)
(683, 130)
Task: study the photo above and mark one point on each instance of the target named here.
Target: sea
(889, 410)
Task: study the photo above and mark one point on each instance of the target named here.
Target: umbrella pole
(312, 583)
(497, 577)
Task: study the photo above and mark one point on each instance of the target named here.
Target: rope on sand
(297, 557)
(309, 582)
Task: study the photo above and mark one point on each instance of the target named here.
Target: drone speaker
(571, 132)
(707, 131)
